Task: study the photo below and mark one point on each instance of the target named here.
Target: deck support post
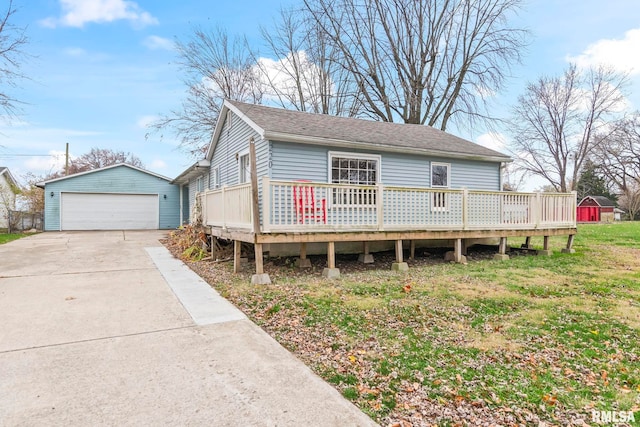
(260, 278)
(457, 252)
(303, 261)
(412, 250)
(545, 247)
(527, 243)
(399, 265)
(331, 272)
(502, 250)
(464, 247)
(365, 257)
(237, 253)
(569, 249)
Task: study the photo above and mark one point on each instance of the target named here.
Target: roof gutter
(196, 169)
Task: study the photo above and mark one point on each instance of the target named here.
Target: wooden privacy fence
(290, 206)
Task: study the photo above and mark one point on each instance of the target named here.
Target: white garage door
(90, 211)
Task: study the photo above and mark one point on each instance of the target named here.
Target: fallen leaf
(549, 399)
(69, 298)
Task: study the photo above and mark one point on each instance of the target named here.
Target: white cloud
(77, 13)
(280, 76)
(621, 54)
(144, 121)
(158, 164)
(54, 161)
(492, 140)
(158, 43)
(74, 51)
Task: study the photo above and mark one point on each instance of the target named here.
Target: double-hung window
(215, 178)
(244, 167)
(356, 169)
(440, 178)
(199, 184)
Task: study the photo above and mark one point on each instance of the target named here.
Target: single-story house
(8, 187)
(276, 177)
(117, 197)
(596, 209)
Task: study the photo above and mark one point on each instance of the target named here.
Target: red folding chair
(306, 210)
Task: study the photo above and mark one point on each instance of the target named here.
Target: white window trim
(448, 166)
(363, 156)
(445, 196)
(199, 184)
(241, 154)
(215, 177)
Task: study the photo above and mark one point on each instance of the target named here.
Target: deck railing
(227, 207)
(291, 206)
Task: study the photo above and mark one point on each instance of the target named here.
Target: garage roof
(75, 175)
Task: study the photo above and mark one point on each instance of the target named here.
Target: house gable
(7, 195)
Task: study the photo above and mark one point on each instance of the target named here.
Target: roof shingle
(368, 132)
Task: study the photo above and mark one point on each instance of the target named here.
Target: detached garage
(119, 197)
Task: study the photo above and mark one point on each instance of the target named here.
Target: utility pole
(66, 162)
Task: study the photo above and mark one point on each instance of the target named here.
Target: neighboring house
(8, 188)
(321, 178)
(617, 214)
(118, 197)
(596, 209)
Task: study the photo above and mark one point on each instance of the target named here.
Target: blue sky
(103, 69)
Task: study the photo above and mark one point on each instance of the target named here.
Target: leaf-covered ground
(488, 343)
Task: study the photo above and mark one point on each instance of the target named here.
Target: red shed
(595, 209)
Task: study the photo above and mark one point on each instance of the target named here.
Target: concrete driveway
(107, 328)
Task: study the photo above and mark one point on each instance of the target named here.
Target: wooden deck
(290, 211)
(309, 212)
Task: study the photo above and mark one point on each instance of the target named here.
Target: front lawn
(511, 343)
(6, 238)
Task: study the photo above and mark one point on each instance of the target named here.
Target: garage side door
(91, 211)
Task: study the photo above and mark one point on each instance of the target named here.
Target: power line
(31, 155)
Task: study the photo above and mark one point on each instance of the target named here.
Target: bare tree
(618, 157)
(100, 158)
(32, 196)
(630, 200)
(12, 41)
(216, 67)
(306, 74)
(556, 122)
(423, 61)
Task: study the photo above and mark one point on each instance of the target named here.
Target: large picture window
(440, 179)
(357, 169)
(348, 169)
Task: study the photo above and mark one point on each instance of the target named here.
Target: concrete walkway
(106, 328)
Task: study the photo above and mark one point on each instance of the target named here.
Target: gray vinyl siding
(119, 179)
(292, 162)
(233, 140)
(311, 162)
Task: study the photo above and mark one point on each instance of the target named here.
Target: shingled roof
(295, 126)
(601, 201)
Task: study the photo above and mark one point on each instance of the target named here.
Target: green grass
(6, 238)
(546, 337)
